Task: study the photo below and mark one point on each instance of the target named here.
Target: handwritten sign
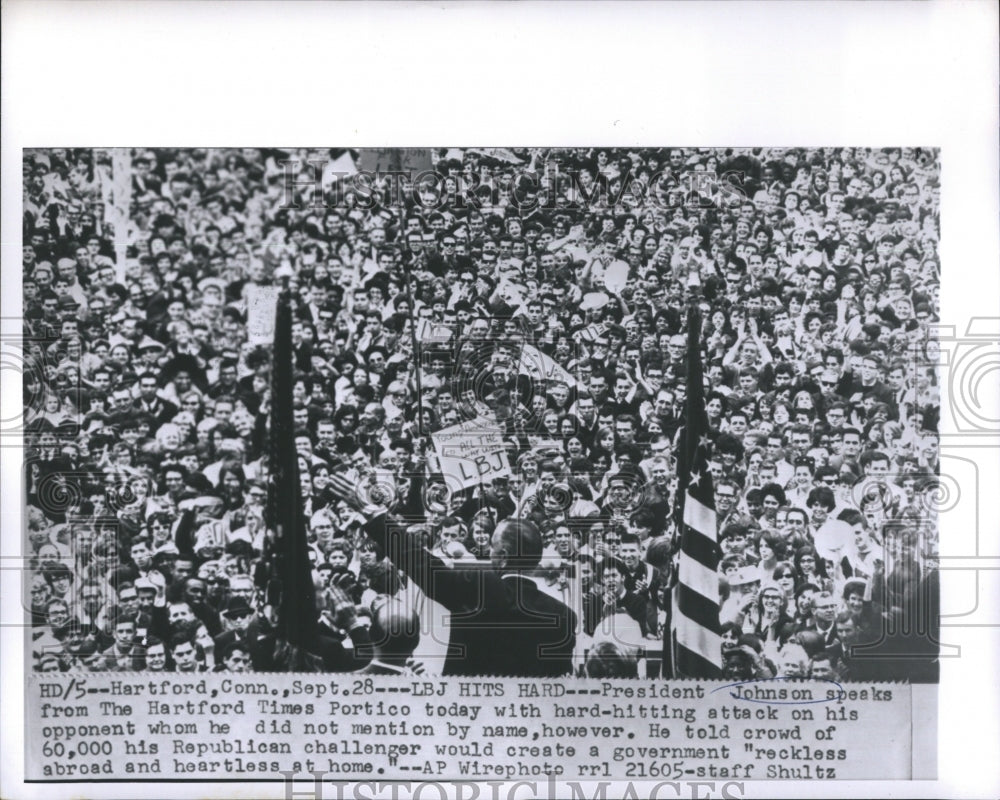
(592, 332)
(431, 332)
(472, 452)
(262, 305)
(535, 364)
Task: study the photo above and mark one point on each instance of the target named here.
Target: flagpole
(396, 164)
(414, 344)
(290, 587)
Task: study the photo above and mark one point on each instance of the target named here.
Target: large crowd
(542, 293)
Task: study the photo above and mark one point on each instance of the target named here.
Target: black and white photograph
(504, 412)
(502, 461)
(504, 422)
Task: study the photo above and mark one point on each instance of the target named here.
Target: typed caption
(217, 726)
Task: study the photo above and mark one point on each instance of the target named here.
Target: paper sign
(340, 168)
(536, 364)
(592, 332)
(428, 331)
(262, 305)
(472, 452)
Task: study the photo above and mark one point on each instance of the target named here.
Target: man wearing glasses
(727, 513)
(836, 415)
(869, 381)
(448, 244)
(236, 616)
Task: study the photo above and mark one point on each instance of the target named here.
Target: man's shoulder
(525, 589)
(544, 605)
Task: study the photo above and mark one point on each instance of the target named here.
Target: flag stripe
(698, 607)
(341, 485)
(699, 578)
(695, 638)
(690, 663)
(698, 516)
(700, 549)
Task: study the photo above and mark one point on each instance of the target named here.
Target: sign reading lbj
(472, 452)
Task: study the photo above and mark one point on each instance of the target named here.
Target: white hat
(744, 576)
(594, 300)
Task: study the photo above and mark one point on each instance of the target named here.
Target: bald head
(517, 546)
(395, 632)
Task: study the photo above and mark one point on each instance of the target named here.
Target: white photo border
(726, 73)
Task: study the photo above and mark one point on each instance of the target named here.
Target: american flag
(695, 626)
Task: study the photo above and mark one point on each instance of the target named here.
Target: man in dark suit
(501, 622)
(825, 618)
(149, 403)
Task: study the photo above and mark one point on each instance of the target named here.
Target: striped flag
(695, 619)
(290, 586)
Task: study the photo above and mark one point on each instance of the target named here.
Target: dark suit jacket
(595, 609)
(650, 616)
(499, 625)
(262, 641)
(162, 410)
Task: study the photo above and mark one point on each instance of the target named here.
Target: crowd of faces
(541, 293)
